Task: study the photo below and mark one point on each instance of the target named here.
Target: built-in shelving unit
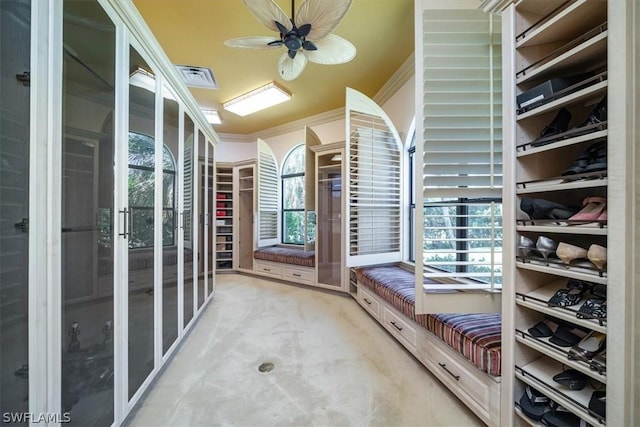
(224, 208)
(556, 39)
(244, 181)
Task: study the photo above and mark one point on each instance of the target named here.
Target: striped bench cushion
(286, 256)
(394, 284)
(477, 337)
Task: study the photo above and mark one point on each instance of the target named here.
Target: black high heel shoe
(559, 125)
(545, 209)
(593, 159)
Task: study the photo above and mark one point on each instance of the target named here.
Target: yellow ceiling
(192, 32)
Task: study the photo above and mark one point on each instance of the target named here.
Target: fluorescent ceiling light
(336, 158)
(263, 97)
(212, 116)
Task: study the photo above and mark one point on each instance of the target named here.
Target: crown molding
(397, 80)
(318, 119)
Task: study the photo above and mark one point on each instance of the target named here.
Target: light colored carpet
(334, 366)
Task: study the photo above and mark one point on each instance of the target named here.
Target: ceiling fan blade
(331, 49)
(268, 12)
(258, 42)
(323, 15)
(290, 69)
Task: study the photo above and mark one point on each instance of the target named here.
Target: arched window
(293, 230)
(141, 191)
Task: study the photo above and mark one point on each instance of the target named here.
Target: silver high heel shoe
(526, 246)
(546, 247)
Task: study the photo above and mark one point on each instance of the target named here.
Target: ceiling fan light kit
(258, 99)
(306, 35)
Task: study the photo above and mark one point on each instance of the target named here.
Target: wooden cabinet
(556, 139)
(244, 194)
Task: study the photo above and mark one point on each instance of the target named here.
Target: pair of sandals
(563, 336)
(594, 307)
(539, 407)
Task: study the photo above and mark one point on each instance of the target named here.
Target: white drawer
(267, 268)
(368, 301)
(473, 386)
(298, 274)
(400, 328)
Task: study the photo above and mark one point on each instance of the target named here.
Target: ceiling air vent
(197, 76)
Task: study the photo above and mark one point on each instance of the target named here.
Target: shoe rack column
(556, 139)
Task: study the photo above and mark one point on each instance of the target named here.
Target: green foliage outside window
(293, 182)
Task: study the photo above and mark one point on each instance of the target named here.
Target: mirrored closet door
(15, 25)
(141, 187)
(87, 234)
(186, 221)
(170, 133)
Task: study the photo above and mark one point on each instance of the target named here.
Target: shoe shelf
(550, 21)
(569, 61)
(561, 184)
(591, 229)
(579, 96)
(539, 374)
(578, 272)
(527, 149)
(524, 418)
(224, 217)
(544, 346)
(537, 300)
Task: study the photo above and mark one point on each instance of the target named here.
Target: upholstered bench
(290, 264)
(462, 350)
(286, 255)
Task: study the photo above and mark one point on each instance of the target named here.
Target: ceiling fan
(306, 35)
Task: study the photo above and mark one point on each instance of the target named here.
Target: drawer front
(368, 301)
(400, 328)
(298, 275)
(460, 375)
(267, 268)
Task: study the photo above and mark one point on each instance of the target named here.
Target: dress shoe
(568, 253)
(546, 247)
(593, 208)
(598, 256)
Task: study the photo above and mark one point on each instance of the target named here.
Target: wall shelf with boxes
(559, 118)
(224, 209)
(245, 196)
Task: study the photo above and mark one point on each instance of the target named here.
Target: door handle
(126, 217)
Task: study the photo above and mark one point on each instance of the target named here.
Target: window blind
(462, 147)
(462, 104)
(268, 183)
(374, 167)
(188, 188)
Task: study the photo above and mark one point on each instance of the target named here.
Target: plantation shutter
(268, 180)
(188, 188)
(462, 147)
(374, 167)
(311, 140)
